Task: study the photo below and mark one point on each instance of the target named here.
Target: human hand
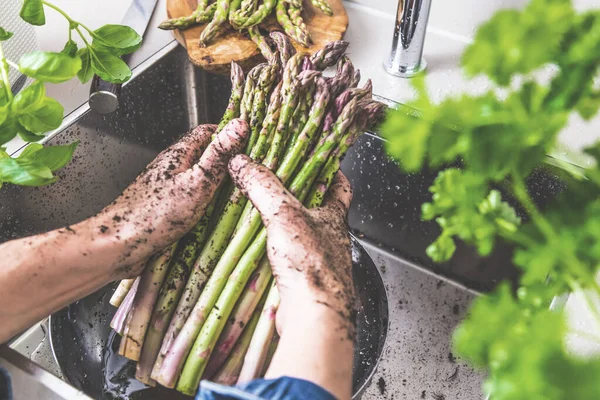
(169, 197)
(309, 250)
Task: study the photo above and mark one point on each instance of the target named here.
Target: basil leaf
(53, 157)
(44, 118)
(25, 172)
(70, 48)
(28, 136)
(4, 34)
(49, 67)
(33, 12)
(85, 73)
(30, 150)
(110, 68)
(29, 98)
(117, 37)
(8, 130)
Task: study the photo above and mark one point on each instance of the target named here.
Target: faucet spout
(405, 59)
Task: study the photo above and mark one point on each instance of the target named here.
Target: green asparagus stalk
(249, 90)
(237, 90)
(262, 45)
(284, 46)
(117, 298)
(230, 371)
(199, 16)
(261, 91)
(262, 12)
(141, 309)
(242, 312)
(323, 5)
(329, 55)
(120, 318)
(295, 14)
(256, 355)
(290, 29)
(215, 26)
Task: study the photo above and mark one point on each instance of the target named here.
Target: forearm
(316, 346)
(43, 273)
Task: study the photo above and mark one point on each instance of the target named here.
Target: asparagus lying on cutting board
(248, 14)
(206, 319)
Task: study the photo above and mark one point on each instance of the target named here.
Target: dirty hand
(169, 197)
(309, 250)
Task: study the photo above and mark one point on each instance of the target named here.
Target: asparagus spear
(323, 5)
(117, 298)
(284, 46)
(295, 14)
(214, 27)
(317, 112)
(355, 79)
(120, 317)
(245, 307)
(290, 29)
(256, 355)
(262, 45)
(329, 55)
(196, 18)
(370, 116)
(263, 87)
(237, 90)
(143, 303)
(262, 12)
(229, 372)
(249, 87)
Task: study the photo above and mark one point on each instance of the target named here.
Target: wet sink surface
(424, 303)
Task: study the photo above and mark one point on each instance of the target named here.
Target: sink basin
(426, 301)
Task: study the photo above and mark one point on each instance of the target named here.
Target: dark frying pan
(85, 347)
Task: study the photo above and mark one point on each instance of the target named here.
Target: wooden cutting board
(236, 46)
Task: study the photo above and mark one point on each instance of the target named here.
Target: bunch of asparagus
(246, 15)
(205, 306)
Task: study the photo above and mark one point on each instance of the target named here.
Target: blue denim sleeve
(284, 388)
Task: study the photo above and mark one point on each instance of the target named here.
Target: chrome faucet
(405, 59)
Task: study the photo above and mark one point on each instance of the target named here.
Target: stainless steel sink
(169, 96)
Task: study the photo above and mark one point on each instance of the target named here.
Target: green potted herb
(30, 114)
(512, 332)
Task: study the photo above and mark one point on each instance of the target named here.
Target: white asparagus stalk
(121, 292)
